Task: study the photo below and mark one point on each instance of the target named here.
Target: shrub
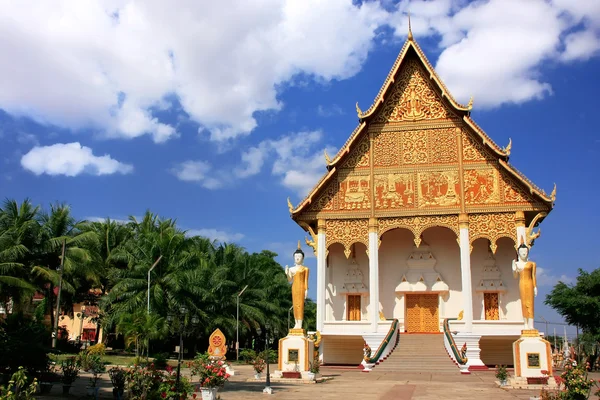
(501, 373)
(117, 377)
(70, 370)
(160, 360)
(143, 383)
(23, 342)
(210, 373)
(97, 349)
(168, 389)
(19, 387)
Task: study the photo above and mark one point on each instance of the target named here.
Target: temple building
(416, 221)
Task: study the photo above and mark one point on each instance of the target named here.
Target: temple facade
(416, 221)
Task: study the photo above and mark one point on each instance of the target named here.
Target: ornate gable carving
(412, 97)
(513, 192)
(359, 156)
(474, 151)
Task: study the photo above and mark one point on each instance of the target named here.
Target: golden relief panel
(482, 186)
(347, 232)
(386, 149)
(474, 150)
(512, 191)
(414, 147)
(418, 225)
(355, 193)
(359, 156)
(393, 191)
(412, 98)
(325, 201)
(492, 226)
(420, 146)
(444, 149)
(438, 189)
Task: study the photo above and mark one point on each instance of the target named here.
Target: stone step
(419, 354)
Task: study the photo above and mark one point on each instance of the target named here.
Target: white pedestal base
(229, 370)
(296, 353)
(473, 351)
(532, 355)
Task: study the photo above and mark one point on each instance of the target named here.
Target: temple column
(373, 274)
(467, 336)
(465, 271)
(520, 223)
(321, 276)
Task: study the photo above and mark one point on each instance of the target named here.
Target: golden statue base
(297, 332)
(530, 333)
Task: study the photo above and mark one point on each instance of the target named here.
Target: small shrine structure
(417, 219)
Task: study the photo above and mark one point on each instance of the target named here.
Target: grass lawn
(121, 360)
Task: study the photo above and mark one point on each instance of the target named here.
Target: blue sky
(215, 115)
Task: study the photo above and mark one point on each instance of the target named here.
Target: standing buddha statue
(298, 274)
(525, 271)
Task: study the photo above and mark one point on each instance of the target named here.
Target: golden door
(353, 302)
(422, 313)
(490, 302)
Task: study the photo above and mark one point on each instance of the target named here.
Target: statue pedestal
(296, 353)
(532, 355)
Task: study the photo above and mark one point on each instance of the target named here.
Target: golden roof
(461, 111)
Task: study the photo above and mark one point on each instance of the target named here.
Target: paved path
(350, 384)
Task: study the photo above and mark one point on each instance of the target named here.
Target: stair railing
(459, 356)
(389, 338)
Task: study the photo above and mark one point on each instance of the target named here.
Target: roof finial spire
(410, 35)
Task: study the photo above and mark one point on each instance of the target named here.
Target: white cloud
(545, 278)
(71, 159)
(494, 50)
(298, 160)
(215, 234)
(329, 111)
(197, 171)
(107, 63)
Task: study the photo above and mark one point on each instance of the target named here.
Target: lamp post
(237, 326)
(267, 388)
(546, 321)
(183, 311)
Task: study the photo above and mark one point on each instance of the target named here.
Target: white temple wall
(339, 286)
(445, 249)
(510, 304)
(396, 246)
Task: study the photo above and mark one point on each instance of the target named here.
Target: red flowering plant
(168, 388)
(576, 382)
(210, 373)
(143, 382)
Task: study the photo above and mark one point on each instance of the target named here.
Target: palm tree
(58, 229)
(18, 233)
(139, 327)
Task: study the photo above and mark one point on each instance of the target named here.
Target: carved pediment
(412, 97)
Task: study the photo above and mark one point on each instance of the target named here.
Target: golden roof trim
(486, 139)
(533, 189)
(389, 80)
(308, 199)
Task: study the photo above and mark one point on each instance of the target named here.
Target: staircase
(417, 353)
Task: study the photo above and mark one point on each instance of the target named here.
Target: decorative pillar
(321, 276)
(467, 337)
(465, 271)
(520, 223)
(373, 274)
